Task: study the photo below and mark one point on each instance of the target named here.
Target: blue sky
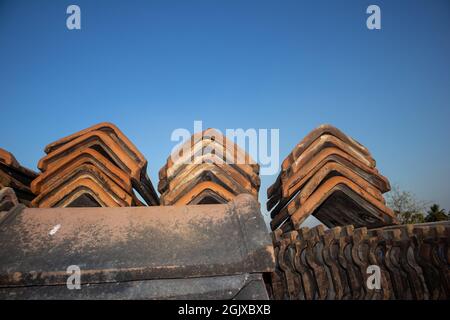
(153, 66)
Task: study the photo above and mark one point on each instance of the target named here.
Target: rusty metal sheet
(113, 245)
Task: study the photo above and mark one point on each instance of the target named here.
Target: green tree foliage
(435, 213)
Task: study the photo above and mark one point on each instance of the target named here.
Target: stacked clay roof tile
(15, 176)
(333, 177)
(207, 169)
(97, 166)
(338, 263)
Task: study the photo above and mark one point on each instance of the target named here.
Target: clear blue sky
(153, 66)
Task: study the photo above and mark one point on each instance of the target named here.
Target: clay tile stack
(207, 169)
(334, 264)
(15, 176)
(97, 166)
(332, 177)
